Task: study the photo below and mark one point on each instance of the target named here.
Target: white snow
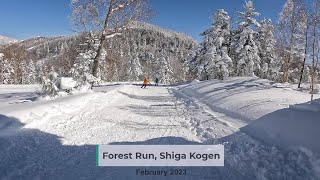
(313, 106)
(240, 101)
(6, 40)
(249, 116)
(67, 83)
(112, 35)
(195, 81)
(15, 94)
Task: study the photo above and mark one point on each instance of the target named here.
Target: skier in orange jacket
(145, 82)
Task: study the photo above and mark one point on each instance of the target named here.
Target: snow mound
(281, 85)
(195, 82)
(313, 106)
(262, 111)
(67, 83)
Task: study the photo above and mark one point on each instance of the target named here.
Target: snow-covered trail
(60, 142)
(128, 113)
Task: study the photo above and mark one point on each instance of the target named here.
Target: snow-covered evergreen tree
(247, 60)
(202, 61)
(31, 77)
(164, 70)
(221, 40)
(82, 68)
(267, 49)
(7, 71)
(42, 70)
(195, 63)
(134, 69)
(24, 72)
(50, 84)
(211, 59)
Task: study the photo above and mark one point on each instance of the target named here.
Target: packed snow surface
(264, 137)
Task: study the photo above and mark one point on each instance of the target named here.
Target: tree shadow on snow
(288, 128)
(150, 98)
(192, 172)
(285, 138)
(137, 126)
(236, 87)
(153, 111)
(17, 98)
(34, 154)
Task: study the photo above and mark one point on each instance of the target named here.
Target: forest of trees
(142, 51)
(283, 51)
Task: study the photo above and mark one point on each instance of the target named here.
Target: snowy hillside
(264, 110)
(143, 50)
(57, 138)
(166, 32)
(5, 40)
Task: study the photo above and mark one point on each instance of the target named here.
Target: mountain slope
(6, 40)
(143, 50)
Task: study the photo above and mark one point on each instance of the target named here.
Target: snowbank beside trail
(244, 98)
(37, 112)
(195, 81)
(19, 88)
(261, 110)
(304, 87)
(120, 83)
(313, 106)
(16, 94)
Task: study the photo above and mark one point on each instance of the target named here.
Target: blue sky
(22, 19)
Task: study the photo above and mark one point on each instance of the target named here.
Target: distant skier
(156, 81)
(145, 82)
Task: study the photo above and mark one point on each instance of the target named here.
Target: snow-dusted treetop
(247, 17)
(165, 32)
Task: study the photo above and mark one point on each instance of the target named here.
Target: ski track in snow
(60, 143)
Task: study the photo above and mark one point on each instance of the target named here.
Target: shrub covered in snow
(50, 84)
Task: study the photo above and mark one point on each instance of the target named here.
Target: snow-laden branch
(112, 35)
(114, 31)
(121, 6)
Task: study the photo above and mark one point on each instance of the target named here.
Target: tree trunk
(288, 59)
(287, 67)
(313, 61)
(96, 61)
(304, 60)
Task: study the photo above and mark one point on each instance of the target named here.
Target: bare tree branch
(116, 16)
